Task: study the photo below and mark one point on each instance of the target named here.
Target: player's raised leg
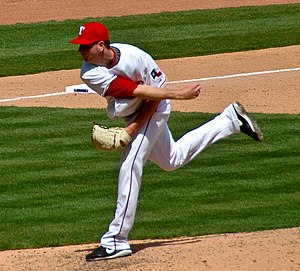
(170, 155)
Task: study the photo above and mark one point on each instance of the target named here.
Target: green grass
(57, 189)
(39, 47)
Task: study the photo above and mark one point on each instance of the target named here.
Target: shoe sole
(119, 254)
(253, 125)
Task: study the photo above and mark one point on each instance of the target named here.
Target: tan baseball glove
(109, 139)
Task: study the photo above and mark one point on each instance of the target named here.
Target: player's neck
(109, 58)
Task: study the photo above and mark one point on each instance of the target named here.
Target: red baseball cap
(90, 33)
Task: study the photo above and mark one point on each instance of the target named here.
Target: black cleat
(247, 125)
(102, 253)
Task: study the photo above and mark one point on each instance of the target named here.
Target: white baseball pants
(155, 142)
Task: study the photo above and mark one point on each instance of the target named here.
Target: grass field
(31, 48)
(57, 189)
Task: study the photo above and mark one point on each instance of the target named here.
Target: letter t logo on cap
(81, 29)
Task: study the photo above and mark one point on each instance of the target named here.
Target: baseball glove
(109, 139)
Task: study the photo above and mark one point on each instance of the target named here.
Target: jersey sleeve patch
(156, 77)
(155, 73)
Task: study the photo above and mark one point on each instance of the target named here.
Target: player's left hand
(110, 139)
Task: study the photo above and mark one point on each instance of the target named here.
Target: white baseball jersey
(131, 63)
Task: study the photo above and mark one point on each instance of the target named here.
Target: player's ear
(101, 45)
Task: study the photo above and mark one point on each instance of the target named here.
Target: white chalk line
(234, 75)
(33, 97)
(172, 82)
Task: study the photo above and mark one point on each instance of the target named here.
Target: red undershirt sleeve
(121, 88)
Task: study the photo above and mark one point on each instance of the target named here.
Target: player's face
(91, 53)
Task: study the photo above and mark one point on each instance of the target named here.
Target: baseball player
(133, 85)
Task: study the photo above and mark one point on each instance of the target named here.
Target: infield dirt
(274, 250)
